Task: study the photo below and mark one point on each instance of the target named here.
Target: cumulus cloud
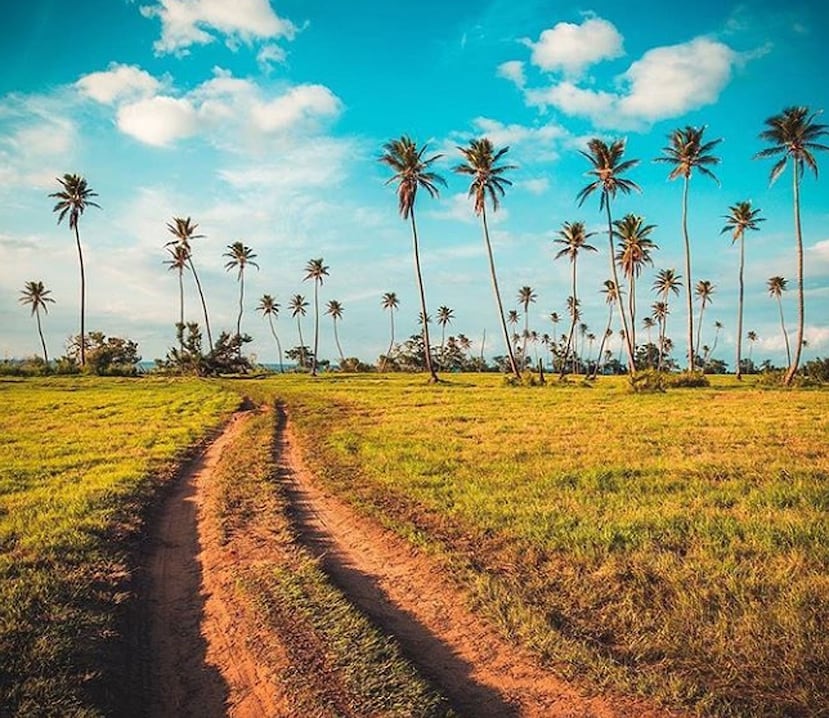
(513, 71)
(118, 82)
(301, 104)
(536, 185)
(197, 22)
(158, 121)
(572, 100)
(270, 55)
(571, 48)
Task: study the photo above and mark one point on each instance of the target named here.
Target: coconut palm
(703, 290)
(239, 257)
(574, 236)
(390, 302)
(73, 199)
(298, 306)
(445, 316)
(412, 171)
(315, 270)
(667, 281)
(335, 309)
(611, 294)
(633, 254)
(270, 309)
(777, 285)
(660, 312)
(178, 262)
(488, 181)
(752, 337)
(794, 134)
(184, 231)
(718, 327)
(740, 217)
(526, 296)
(607, 167)
(37, 296)
(648, 324)
(686, 151)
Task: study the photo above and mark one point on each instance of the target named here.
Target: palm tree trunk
(427, 349)
(302, 359)
(42, 340)
(181, 307)
(494, 278)
(442, 344)
(572, 328)
(800, 299)
(316, 327)
(699, 331)
(689, 299)
(526, 335)
(740, 310)
(628, 338)
(632, 310)
(278, 345)
(241, 301)
(604, 339)
(203, 303)
(785, 333)
(83, 296)
(337, 341)
(391, 340)
(483, 344)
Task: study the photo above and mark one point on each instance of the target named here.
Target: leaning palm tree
(633, 254)
(73, 199)
(270, 309)
(718, 327)
(481, 163)
(178, 262)
(315, 270)
(741, 217)
(608, 168)
(686, 151)
(335, 309)
(390, 302)
(574, 236)
(794, 134)
(298, 306)
(239, 257)
(777, 285)
(445, 316)
(611, 293)
(184, 231)
(704, 290)
(412, 171)
(37, 296)
(666, 282)
(526, 296)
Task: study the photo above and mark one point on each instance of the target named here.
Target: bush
(687, 379)
(647, 381)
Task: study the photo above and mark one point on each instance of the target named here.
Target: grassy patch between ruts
(80, 460)
(675, 545)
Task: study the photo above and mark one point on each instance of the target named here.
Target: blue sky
(264, 121)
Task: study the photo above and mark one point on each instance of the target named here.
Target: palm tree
(73, 199)
(298, 306)
(752, 337)
(660, 314)
(184, 231)
(391, 303)
(482, 165)
(647, 325)
(526, 296)
(633, 254)
(316, 270)
(445, 316)
(611, 293)
(36, 295)
(335, 309)
(608, 168)
(411, 171)
(703, 291)
(794, 134)
(777, 285)
(667, 281)
(718, 326)
(178, 261)
(240, 256)
(270, 309)
(686, 152)
(741, 217)
(574, 237)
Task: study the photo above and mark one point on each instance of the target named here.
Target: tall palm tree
(335, 309)
(703, 290)
(660, 311)
(481, 163)
(794, 134)
(412, 171)
(390, 302)
(666, 282)
(574, 236)
(607, 167)
(184, 231)
(633, 254)
(239, 257)
(37, 296)
(686, 151)
(178, 262)
(741, 217)
(777, 285)
(270, 309)
(316, 270)
(73, 199)
(445, 316)
(298, 306)
(718, 327)
(526, 296)
(752, 337)
(611, 293)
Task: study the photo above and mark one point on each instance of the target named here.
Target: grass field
(80, 460)
(672, 544)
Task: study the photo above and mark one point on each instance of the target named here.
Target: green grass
(80, 459)
(673, 544)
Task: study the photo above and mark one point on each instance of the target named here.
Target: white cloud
(571, 48)
(572, 100)
(300, 105)
(158, 121)
(196, 22)
(536, 185)
(118, 82)
(270, 55)
(460, 207)
(513, 70)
